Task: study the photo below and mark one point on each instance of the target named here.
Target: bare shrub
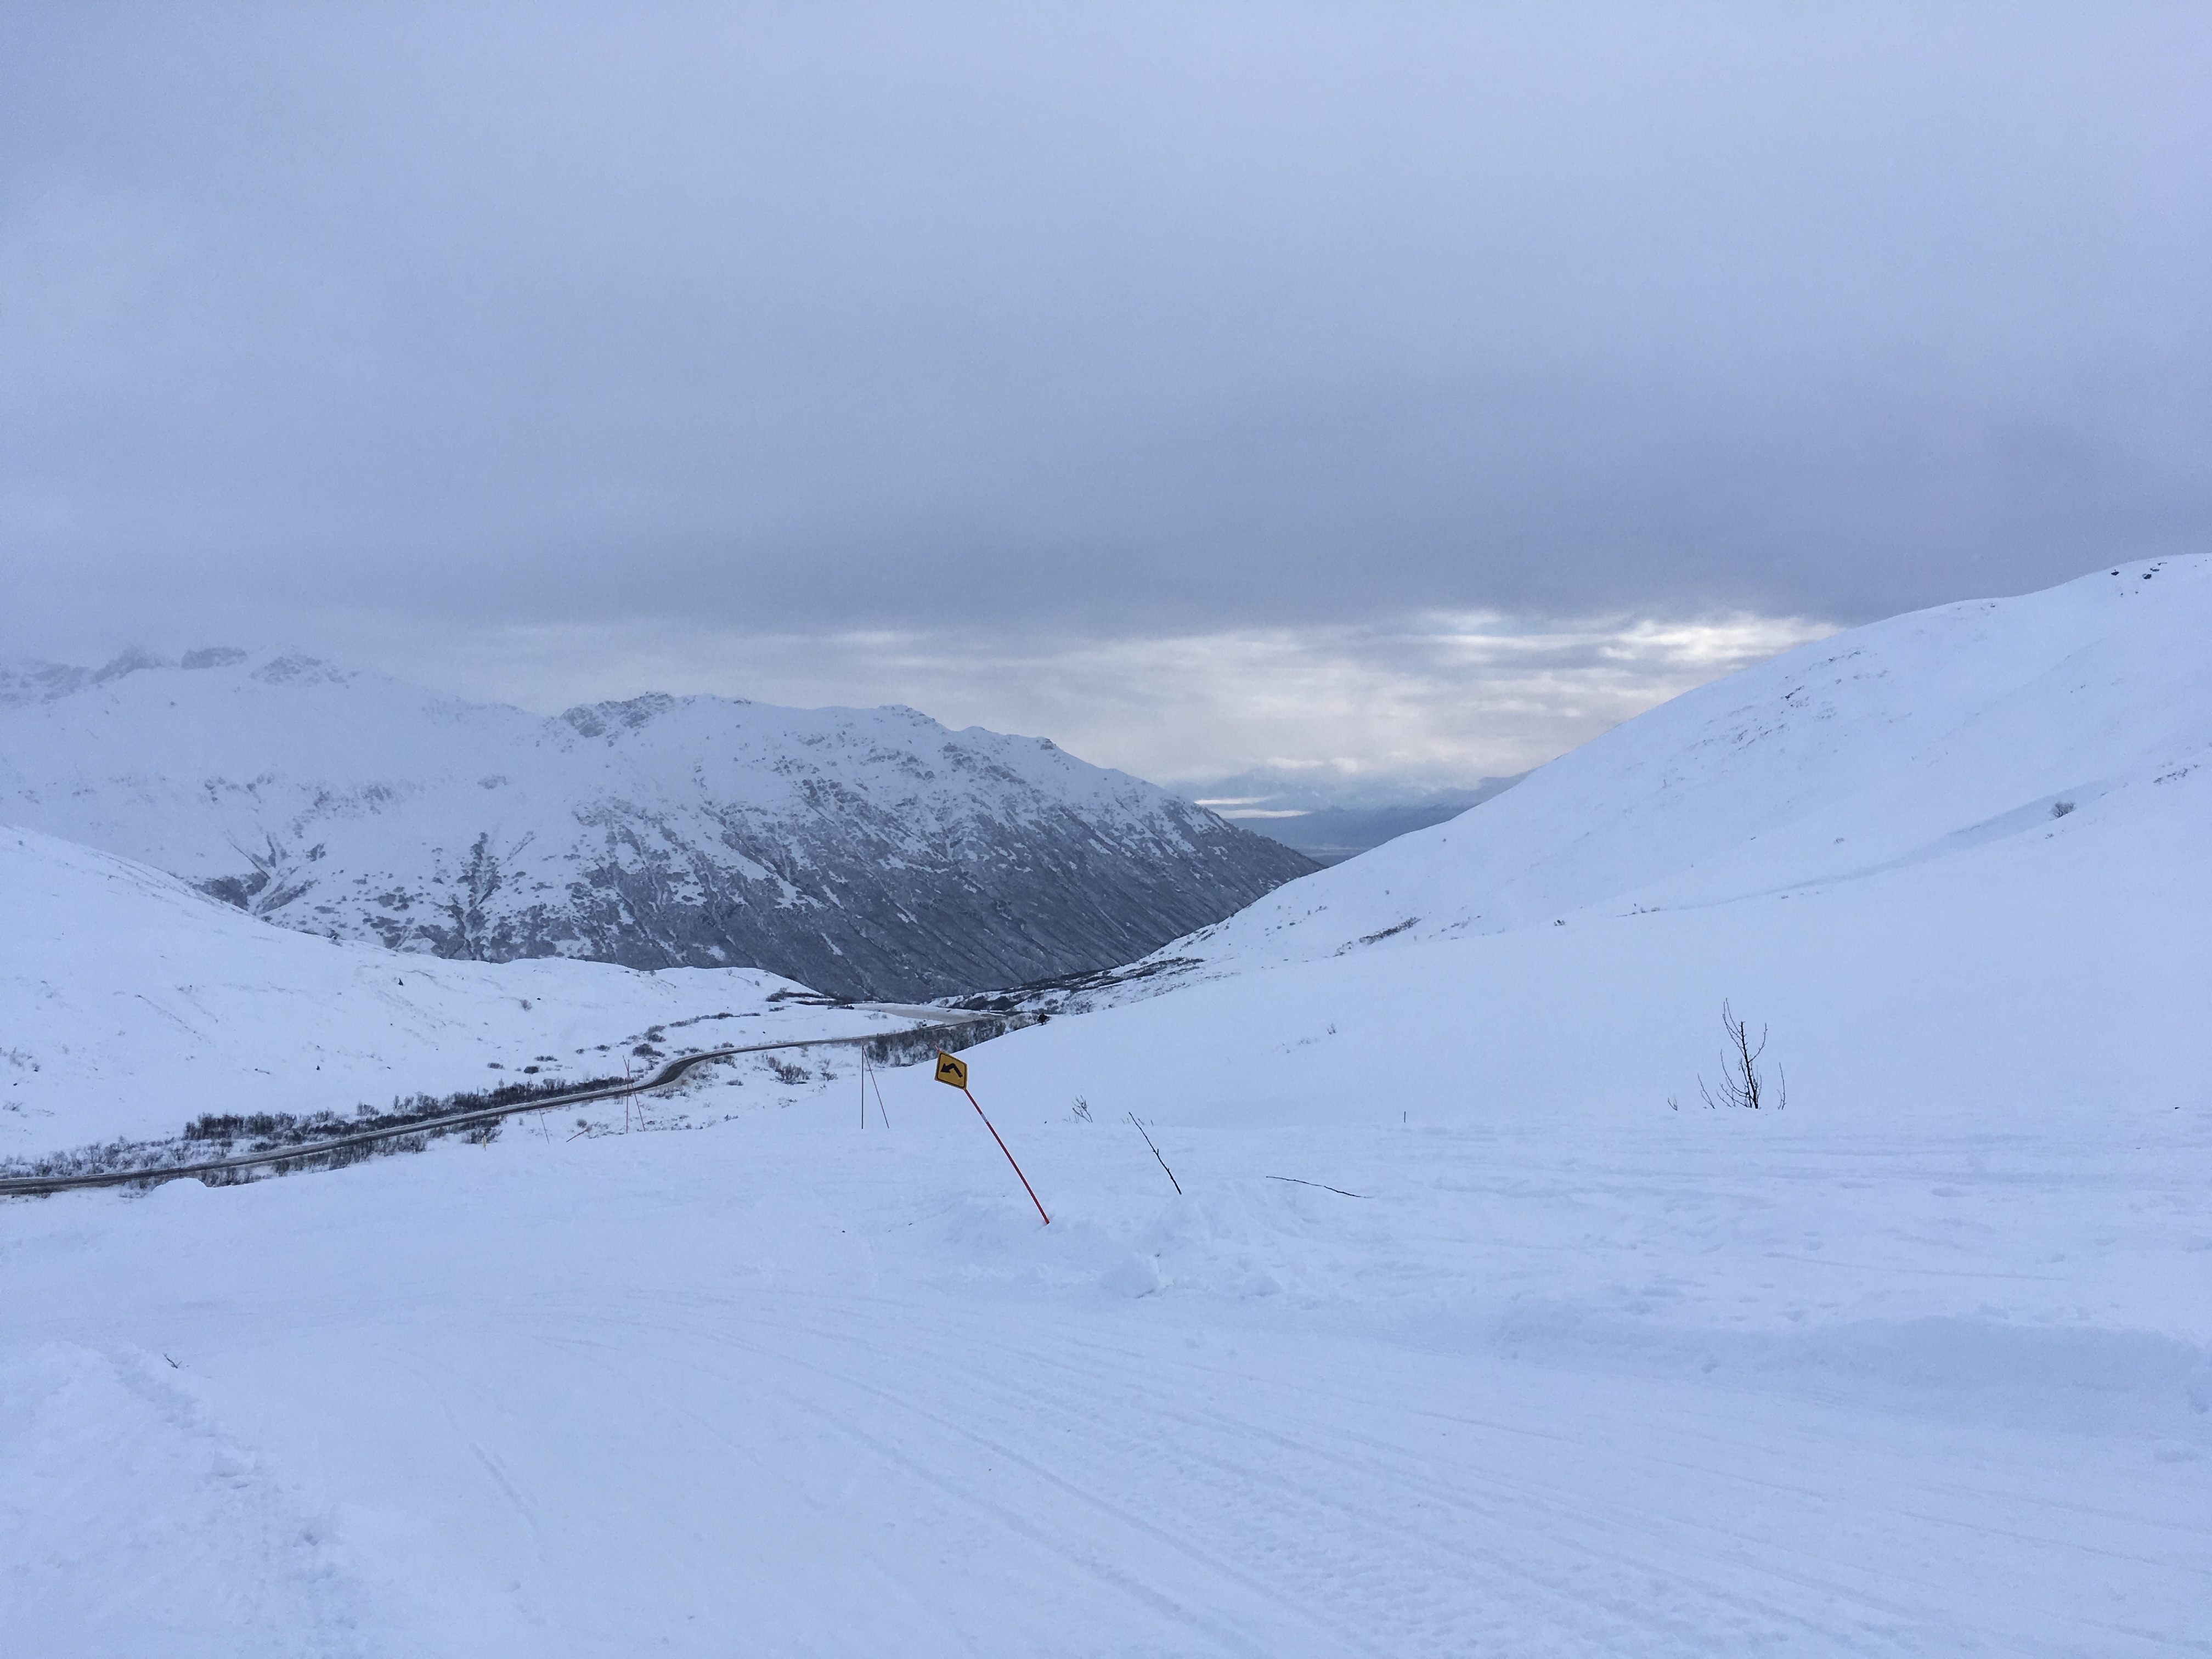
(1742, 1083)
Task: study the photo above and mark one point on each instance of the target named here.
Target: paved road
(948, 1021)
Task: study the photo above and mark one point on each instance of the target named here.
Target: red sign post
(954, 1073)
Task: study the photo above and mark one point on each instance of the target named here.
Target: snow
(870, 851)
(134, 1005)
(1912, 740)
(1918, 1365)
(817, 1391)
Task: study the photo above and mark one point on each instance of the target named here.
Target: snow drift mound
(863, 852)
(129, 1005)
(1915, 739)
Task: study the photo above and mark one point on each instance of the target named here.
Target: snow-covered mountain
(129, 1004)
(863, 852)
(1454, 1332)
(1933, 741)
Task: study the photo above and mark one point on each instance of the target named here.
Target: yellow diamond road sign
(951, 1071)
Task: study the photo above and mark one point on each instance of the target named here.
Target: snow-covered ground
(130, 1004)
(1693, 1385)
(1473, 1330)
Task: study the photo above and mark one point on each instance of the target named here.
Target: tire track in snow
(1616, 1535)
(1295, 1513)
(1079, 1552)
(1287, 1520)
(1619, 1506)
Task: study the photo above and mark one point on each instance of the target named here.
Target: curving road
(949, 1023)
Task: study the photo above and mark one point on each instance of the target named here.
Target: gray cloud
(1115, 323)
(1356, 710)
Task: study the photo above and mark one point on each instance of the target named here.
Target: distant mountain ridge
(863, 852)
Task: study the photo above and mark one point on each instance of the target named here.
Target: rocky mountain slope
(863, 852)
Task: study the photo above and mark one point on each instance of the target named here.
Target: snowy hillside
(863, 852)
(129, 1005)
(1471, 1329)
(1914, 741)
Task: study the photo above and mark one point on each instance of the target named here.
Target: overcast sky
(1387, 388)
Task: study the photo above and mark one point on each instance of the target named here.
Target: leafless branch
(1740, 1083)
(1172, 1182)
